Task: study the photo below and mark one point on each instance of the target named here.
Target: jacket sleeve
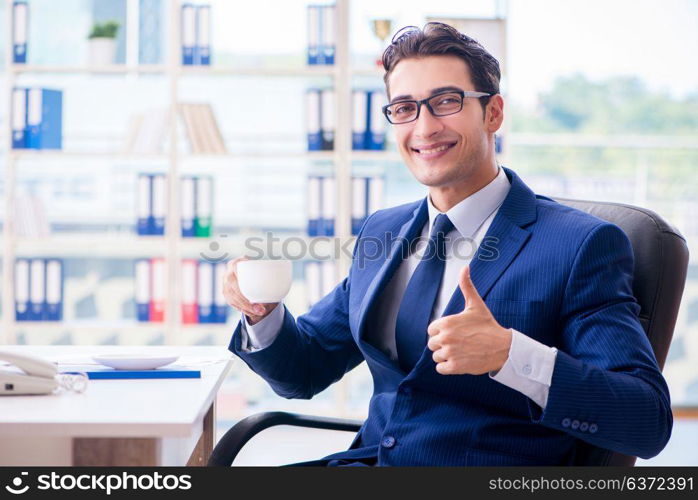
(606, 387)
(310, 353)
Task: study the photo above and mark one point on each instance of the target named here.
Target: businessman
(498, 325)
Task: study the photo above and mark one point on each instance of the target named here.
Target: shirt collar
(469, 214)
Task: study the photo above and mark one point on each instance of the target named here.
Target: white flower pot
(102, 51)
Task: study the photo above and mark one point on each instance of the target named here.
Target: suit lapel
(502, 243)
(408, 231)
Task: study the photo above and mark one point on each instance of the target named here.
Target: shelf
(90, 325)
(247, 156)
(113, 69)
(330, 71)
(160, 69)
(92, 245)
(49, 153)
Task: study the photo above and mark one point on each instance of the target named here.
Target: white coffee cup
(264, 281)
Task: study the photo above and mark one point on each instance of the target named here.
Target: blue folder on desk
(104, 373)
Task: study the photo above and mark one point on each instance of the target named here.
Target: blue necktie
(420, 296)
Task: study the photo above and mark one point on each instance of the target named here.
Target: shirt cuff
(528, 368)
(263, 333)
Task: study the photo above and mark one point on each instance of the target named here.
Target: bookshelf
(171, 246)
(171, 75)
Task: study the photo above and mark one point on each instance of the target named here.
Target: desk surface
(118, 408)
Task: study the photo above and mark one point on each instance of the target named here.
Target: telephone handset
(37, 376)
(33, 375)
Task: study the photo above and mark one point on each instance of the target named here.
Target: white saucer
(134, 361)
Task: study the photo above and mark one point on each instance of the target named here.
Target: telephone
(35, 375)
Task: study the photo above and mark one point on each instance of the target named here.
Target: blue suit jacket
(558, 275)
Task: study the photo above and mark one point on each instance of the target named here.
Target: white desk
(116, 422)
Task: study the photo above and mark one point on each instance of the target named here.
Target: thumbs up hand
(470, 342)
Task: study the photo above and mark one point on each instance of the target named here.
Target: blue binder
(202, 53)
(19, 118)
(44, 118)
(188, 27)
(20, 25)
(54, 290)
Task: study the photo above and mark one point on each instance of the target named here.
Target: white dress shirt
(529, 366)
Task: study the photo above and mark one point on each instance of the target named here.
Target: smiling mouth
(434, 150)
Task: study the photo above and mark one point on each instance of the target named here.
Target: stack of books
(38, 289)
(150, 290)
(37, 118)
(321, 206)
(322, 27)
(147, 131)
(202, 129)
(369, 123)
(320, 119)
(197, 206)
(196, 35)
(202, 292)
(152, 204)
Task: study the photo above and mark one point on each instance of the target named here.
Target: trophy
(382, 29)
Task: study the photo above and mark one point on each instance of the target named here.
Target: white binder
(205, 292)
(19, 118)
(327, 119)
(187, 208)
(54, 290)
(37, 289)
(313, 282)
(22, 289)
(328, 210)
(159, 203)
(375, 194)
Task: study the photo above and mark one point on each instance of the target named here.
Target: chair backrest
(661, 263)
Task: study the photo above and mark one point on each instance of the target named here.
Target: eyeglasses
(441, 104)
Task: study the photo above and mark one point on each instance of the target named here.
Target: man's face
(463, 134)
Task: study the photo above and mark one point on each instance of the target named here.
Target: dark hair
(442, 39)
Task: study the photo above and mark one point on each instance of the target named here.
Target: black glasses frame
(462, 93)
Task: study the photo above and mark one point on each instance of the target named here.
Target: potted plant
(102, 43)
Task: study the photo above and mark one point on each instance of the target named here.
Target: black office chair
(661, 262)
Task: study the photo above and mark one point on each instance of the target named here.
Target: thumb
(470, 293)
